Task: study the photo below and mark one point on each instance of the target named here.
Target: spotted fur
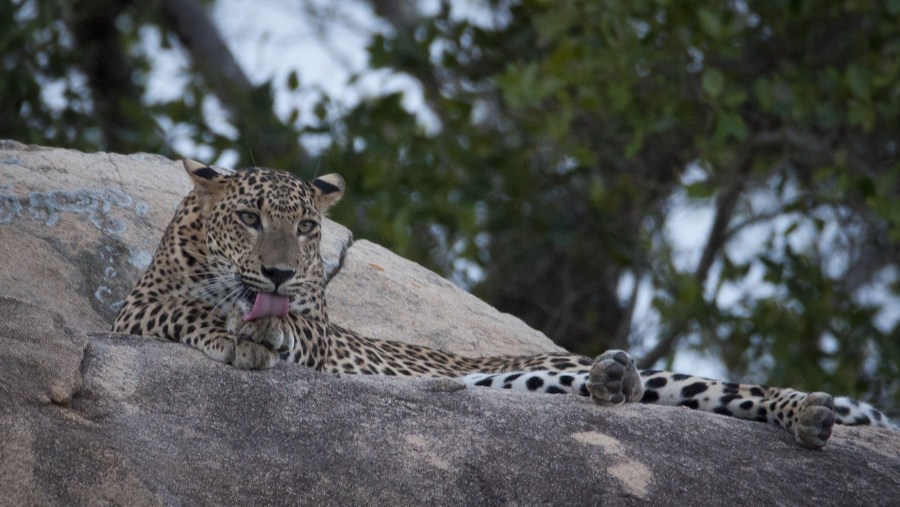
(258, 230)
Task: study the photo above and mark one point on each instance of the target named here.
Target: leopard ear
(201, 174)
(207, 181)
(329, 189)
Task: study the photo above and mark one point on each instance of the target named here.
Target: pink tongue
(268, 303)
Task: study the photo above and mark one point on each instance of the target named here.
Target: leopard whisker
(227, 303)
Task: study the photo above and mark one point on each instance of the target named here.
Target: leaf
(634, 146)
(730, 125)
(893, 7)
(859, 81)
(710, 22)
(712, 82)
(293, 81)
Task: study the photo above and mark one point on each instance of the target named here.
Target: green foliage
(37, 54)
(88, 57)
(556, 145)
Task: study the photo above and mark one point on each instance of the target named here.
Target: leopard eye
(249, 218)
(306, 226)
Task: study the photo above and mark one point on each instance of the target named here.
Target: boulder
(90, 417)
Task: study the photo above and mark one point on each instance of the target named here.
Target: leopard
(238, 274)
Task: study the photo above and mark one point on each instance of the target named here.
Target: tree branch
(718, 235)
(401, 14)
(125, 125)
(261, 132)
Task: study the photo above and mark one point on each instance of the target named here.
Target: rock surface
(89, 417)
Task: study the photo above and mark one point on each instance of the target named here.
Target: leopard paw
(275, 334)
(253, 356)
(614, 379)
(220, 348)
(815, 420)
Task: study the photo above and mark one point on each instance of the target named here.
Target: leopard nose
(278, 276)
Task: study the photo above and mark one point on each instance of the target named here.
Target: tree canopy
(563, 139)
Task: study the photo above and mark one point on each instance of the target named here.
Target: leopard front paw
(253, 356)
(614, 379)
(220, 348)
(244, 354)
(814, 420)
(276, 334)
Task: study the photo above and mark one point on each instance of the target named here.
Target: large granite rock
(89, 417)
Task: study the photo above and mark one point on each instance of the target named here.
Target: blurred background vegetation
(568, 146)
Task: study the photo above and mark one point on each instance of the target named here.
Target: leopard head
(264, 228)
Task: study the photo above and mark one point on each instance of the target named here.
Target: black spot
(678, 377)
(512, 377)
(566, 380)
(534, 383)
(861, 419)
(656, 382)
(690, 404)
(730, 388)
(206, 173)
(842, 410)
(650, 397)
(691, 390)
(747, 405)
(762, 412)
(507, 386)
(555, 390)
(728, 398)
(325, 187)
(722, 410)
(584, 390)
(647, 373)
(755, 391)
(135, 329)
(485, 382)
